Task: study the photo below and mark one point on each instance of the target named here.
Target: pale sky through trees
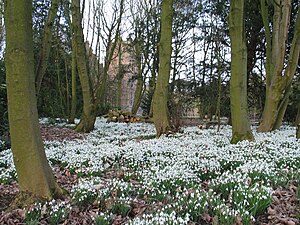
(91, 7)
(91, 16)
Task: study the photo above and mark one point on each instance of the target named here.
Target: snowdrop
(173, 168)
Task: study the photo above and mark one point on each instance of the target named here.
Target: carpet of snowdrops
(184, 178)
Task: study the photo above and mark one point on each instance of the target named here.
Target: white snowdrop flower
(187, 157)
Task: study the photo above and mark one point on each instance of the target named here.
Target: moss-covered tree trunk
(241, 129)
(34, 173)
(278, 78)
(46, 45)
(88, 116)
(160, 107)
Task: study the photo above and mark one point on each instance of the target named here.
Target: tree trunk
(160, 99)
(298, 122)
(140, 82)
(278, 79)
(175, 65)
(59, 83)
(238, 83)
(34, 173)
(152, 81)
(67, 91)
(72, 113)
(46, 45)
(74, 86)
(101, 89)
(282, 108)
(88, 116)
(270, 109)
(110, 50)
(289, 72)
(120, 76)
(218, 111)
(119, 94)
(138, 94)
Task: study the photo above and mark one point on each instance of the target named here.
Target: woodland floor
(284, 207)
(283, 210)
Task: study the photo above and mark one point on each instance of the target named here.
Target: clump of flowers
(192, 202)
(84, 197)
(254, 199)
(33, 215)
(190, 177)
(57, 211)
(103, 219)
(160, 218)
(120, 208)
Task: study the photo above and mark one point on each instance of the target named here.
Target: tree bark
(74, 86)
(278, 79)
(282, 107)
(46, 45)
(218, 111)
(297, 122)
(120, 75)
(140, 81)
(110, 50)
(152, 81)
(34, 173)
(88, 116)
(238, 83)
(289, 72)
(160, 107)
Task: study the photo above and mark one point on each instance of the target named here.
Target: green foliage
(103, 109)
(39, 14)
(193, 203)
(33, 215)
(103, 219)
(57, 212)
(120, 208)
(84, 198)
(55, 95)
(254, 199)
(52, 98)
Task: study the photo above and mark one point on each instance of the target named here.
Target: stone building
(122, 78)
